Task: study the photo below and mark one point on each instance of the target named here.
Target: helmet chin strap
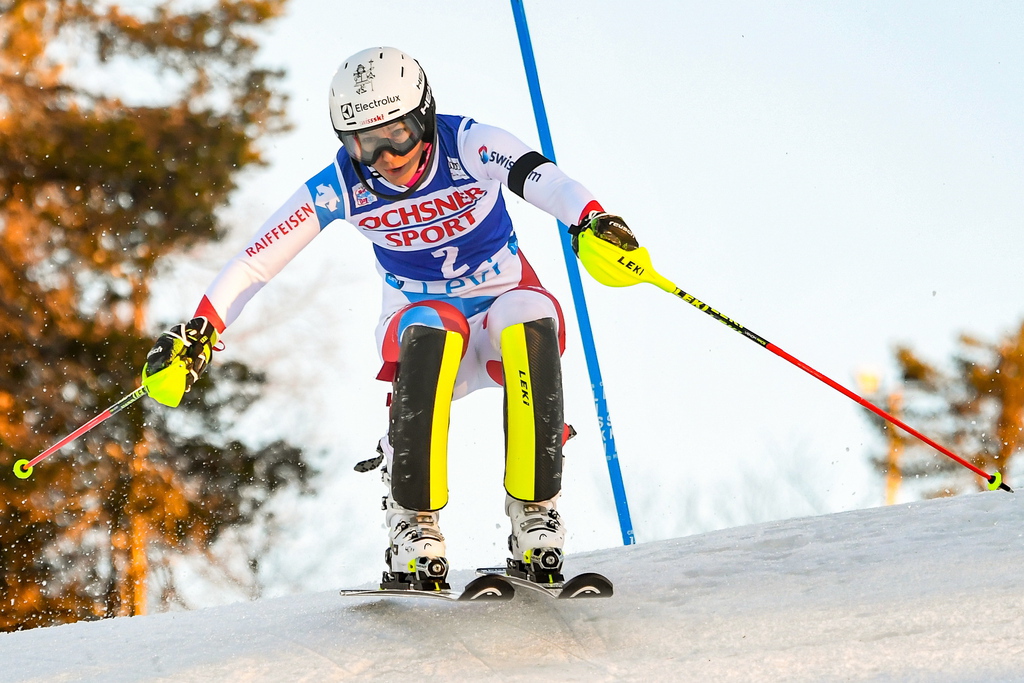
(428, 154)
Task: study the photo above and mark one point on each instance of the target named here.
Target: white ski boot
(536, 540)
(416, 553)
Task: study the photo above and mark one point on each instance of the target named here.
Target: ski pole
(23, 468)
(637, 265)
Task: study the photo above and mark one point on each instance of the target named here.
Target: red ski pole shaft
(23, 468)
(995, 481)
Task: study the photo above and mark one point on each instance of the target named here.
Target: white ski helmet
(377, 87)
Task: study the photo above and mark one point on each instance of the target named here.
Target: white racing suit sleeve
(281, 237)
(492, 153)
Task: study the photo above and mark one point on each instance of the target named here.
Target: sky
(915, 592)
(838, 177)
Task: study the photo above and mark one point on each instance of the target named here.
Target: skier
(462, 308)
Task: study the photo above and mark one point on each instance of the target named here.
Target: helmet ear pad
(427, 112)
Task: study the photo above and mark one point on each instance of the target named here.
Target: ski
(488, 588)
(586, 585)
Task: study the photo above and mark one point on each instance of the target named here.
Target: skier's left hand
(609, 251)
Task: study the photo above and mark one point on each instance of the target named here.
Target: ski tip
(587, 585)
(488, 588)
(22, 470)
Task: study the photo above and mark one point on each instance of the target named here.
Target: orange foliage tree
(975, 408)
(98, 181)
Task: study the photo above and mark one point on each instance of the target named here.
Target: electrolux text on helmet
(373, 104)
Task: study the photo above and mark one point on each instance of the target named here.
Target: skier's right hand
(177, 359)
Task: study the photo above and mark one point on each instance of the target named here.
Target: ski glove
(608, 250)
(177, 359)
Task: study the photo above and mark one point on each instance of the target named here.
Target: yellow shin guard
(533, 410)
(421, 406)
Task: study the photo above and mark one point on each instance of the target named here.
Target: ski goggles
(398, 137)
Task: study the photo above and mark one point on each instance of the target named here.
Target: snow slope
(930, 591)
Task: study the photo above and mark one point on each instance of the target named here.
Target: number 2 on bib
(448, 269)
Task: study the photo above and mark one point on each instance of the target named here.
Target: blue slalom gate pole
(579, 299)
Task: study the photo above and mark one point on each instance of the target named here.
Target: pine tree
(95, 188)
(976, 409)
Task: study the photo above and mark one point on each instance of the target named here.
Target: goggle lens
(398, 137)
